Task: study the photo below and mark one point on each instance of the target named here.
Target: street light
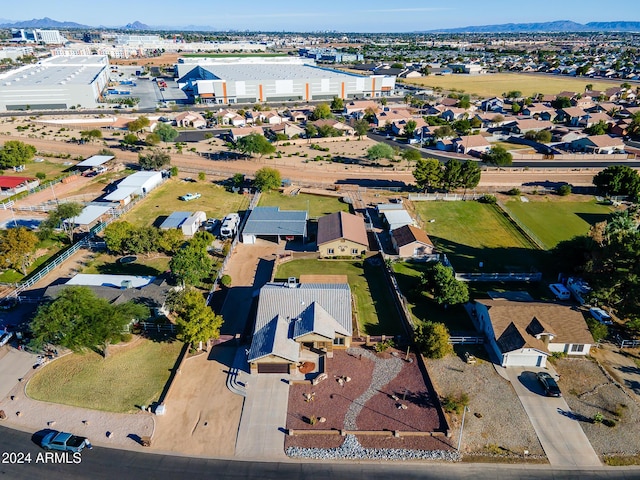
(466, 409)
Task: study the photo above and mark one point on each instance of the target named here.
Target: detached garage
(274, 224)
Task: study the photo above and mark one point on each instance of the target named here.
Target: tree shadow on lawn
(127, 269)
(466, 258)
(593, 218)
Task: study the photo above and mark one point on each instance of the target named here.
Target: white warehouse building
(58, 82)
(273, 79)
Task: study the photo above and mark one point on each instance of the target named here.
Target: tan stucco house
(342, 234)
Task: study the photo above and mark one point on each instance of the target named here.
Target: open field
(376, 312)
(318, 205)
(132, 375)
(51, 169)
(495, 84)
(554, 219)
(108, 265)
(473, 232)
(215, 201)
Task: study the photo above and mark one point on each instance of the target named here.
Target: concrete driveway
(264, 417)
(559, 432)
(14, 364)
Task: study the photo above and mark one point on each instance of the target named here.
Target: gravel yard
(497, 423)
(587, 391)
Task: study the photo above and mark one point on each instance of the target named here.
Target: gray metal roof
(256, 71)
(314, 304)
(89, 214)
(95, 161)
(397, 218)
(175, 220)
(273, 221)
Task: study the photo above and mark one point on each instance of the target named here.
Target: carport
(274, 224)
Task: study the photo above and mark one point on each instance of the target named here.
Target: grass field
(50, 169)
(215, 201)
(109, 265)
(408, 276)
(495, 84)
(376, 312)
(318, 205)
(473, 232)
(553, 219)
(129, 376)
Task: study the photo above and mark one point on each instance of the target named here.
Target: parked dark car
(549, 384)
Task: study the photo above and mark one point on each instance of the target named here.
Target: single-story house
(287, 128)
(237, 133)
(341, 127)
(292, 316)
(190, 119)
(539, 111)
(528, 125)
(603, 144)
(573, 116)
(359, 106)
(230, 117)
(342, 234)
(276, 224)
(117, 289)
(468, 143)
(409, 241)
(525, 334)
(494, 104)
(454, 113)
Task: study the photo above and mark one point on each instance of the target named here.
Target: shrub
(515, 192)
(564, 190)
(453, 404)
(226, 281)
(41, 175)
(598, 418)
(126, 337)
(490, 199)
(383, 346)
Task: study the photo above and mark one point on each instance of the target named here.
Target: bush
(490, 199)
(564, 190)
(452, 404)
(41, 176)
(383, 346)
(126, 337)
(598, 330)
(598, 418)
(226, 281)
(515, 192)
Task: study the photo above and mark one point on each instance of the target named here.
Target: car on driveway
(5, 337)
(190, 196)
(64, 442)
(549, 384)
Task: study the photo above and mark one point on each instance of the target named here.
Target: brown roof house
(524, 334)
(342, 234)
(190, 119)
(409, 242)
(468, 143)
(602, 144)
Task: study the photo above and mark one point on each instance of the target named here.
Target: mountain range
(555, 26)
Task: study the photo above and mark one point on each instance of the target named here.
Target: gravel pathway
(352, 450)
(384, 371)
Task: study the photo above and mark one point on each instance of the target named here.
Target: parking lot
(144, 88)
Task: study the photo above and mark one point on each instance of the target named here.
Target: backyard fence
(499, 277)
(466, 340)
(521, 227)
(447, 197)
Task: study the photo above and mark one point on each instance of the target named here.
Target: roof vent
(291, 282)
(126, 284)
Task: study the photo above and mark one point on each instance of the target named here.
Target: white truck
(230, 225)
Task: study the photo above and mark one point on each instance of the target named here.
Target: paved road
(14, 364)
(560, 434)
(108, 464)
(264, 417)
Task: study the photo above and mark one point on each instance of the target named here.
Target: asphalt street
(109, 464)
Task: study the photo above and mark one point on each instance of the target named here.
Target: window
(338, 341)
(329, 251)
(354, 251)
(578, 348)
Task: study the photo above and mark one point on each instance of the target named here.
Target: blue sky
(314, 15)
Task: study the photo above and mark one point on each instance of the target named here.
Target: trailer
(230, 225)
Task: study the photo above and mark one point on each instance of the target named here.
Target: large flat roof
(71, 70)
(272, 221)
(267, 71)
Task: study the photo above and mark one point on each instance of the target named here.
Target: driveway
(14, 364)
(560, 434)
(264, 416)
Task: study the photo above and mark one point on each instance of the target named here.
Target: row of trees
(431, 174)
(124, 238)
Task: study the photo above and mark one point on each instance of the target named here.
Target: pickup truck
(190, 196)
(65, 442)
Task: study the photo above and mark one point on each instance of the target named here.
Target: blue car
(65, 442)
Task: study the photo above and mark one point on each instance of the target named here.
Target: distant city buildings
(46, 37)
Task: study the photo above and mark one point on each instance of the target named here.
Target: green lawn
(376, 311)
(318, 205)
(51, 169)
(130, 377)
(553, 220)
(473, 232)
(162, 201)
(421, 308)
(109, 265)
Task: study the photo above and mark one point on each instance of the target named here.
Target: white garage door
(525, 361)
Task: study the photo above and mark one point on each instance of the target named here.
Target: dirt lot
(202, 414)
(588, 391)
(367, 403)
